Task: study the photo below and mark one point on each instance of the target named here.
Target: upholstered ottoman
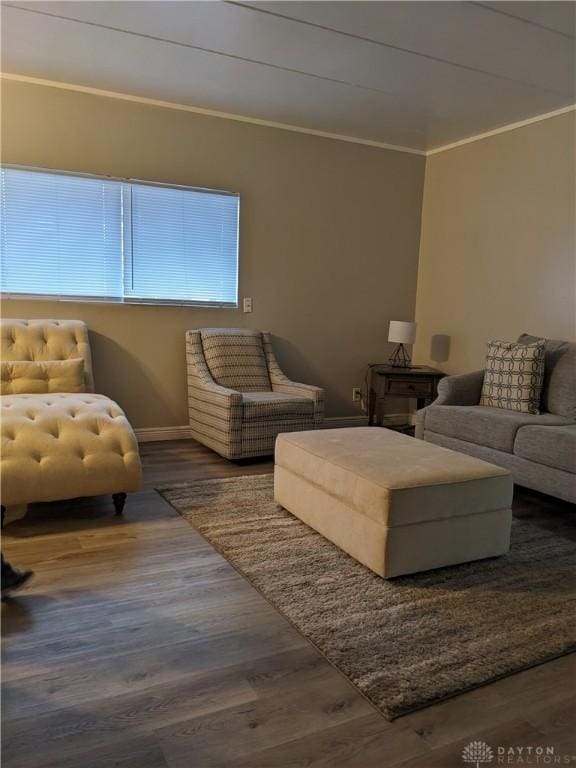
(396, 504)
(62, 446)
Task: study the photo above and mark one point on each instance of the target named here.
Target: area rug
(405, 643)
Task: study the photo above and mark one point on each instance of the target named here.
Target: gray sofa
(539, 450)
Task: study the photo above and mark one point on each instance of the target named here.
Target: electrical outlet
(247, 305)
(356, 395)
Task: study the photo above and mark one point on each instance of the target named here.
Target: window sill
(106, 300)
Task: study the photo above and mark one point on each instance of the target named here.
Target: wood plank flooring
(138, 646)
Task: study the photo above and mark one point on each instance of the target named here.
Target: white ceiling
(413, 74)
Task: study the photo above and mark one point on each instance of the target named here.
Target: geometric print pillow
(513, 376)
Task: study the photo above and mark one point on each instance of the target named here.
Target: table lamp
(401, 333)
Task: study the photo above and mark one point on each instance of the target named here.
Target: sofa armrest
(463, 389)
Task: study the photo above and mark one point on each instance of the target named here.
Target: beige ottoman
(396, 504)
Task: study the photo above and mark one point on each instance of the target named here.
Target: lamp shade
(402, 332)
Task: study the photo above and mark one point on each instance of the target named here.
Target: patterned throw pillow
(513, 376)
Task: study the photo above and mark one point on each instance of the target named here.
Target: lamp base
(400, 358)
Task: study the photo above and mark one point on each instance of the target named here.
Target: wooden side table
(420, 383)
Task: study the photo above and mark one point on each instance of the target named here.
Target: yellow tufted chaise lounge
(59, 439)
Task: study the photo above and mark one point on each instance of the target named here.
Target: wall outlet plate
(247, 305)
(356, 394)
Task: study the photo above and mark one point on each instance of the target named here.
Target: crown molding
(207, 112)
(502, 129)
(282, 126)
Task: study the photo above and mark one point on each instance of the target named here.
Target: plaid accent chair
(239, 399)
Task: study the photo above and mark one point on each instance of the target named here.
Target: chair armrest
(226, 398)
(463, 389)
(316, 394)
(214, 412)
(281, 383)
(289, 387)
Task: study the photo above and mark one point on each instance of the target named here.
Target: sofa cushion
(552, 446)
(37, 377)
(513, 376)
(62, 446)
(559, 390)
(235, 357)
(493, 427)
(260, 406)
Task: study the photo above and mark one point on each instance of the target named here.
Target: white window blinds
(192, 236)
(83, 237)
(61, 235)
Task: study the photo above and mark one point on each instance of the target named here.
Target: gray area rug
(405, 643)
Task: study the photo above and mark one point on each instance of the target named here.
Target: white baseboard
(397, 419)
(338, 422)
(157, 434)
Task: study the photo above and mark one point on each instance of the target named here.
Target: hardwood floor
(138, 646)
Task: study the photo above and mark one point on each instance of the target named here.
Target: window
(83, 237)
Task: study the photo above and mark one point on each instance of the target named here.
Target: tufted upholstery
(239, 400)
(64, 446)
(47, 340)
(60, 445)
(39, 378)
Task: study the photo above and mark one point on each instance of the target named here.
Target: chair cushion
(552, 446)
(235, 357)
(37, 377)
(513, 376)
(62, 446)
(493, 427)
(559, 391)
(261, 406)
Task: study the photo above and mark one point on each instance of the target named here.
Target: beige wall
(498, 250)
(329, 240)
